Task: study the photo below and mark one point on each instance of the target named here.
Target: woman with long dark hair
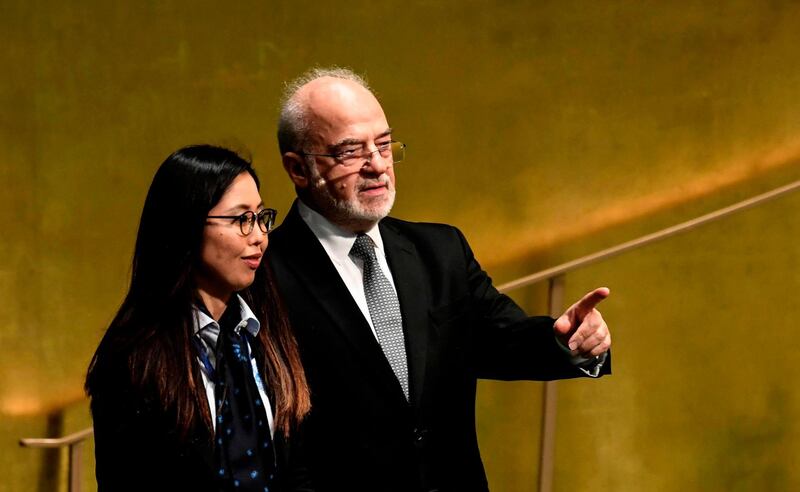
(197, 384)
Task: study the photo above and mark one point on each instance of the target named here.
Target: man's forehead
(334, 105)
(326, 88)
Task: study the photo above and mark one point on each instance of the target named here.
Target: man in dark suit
(396, 320)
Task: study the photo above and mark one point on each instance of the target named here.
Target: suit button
(419, 436)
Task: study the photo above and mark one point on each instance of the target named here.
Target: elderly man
(396, 320)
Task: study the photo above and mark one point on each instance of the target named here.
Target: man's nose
(377, 163)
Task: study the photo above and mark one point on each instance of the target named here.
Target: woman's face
(228, 258)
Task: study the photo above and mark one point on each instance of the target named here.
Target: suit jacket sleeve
(509, 345)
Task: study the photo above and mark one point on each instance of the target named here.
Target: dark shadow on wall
(51, 458)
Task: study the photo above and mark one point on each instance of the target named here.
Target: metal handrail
(57, 442)
(555, 275)
(647, 239)
(75, 443)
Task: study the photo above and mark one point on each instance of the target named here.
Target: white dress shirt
(338, 242)
(248, 322)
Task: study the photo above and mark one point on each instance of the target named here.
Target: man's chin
(359, 218)
(365, 215)
(374, 211)
(354, 214)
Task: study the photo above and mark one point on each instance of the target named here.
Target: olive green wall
(544, 131)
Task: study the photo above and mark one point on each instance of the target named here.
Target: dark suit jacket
(362, 434)
(137, 447)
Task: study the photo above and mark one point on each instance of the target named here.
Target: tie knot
(363, 248)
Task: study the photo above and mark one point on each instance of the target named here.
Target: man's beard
(351, 212)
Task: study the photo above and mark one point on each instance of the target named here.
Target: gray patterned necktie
(384, 309)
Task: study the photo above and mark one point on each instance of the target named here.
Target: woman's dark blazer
(137, 447)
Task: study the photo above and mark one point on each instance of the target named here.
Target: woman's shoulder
(120, 361)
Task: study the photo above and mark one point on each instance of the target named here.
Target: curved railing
(555, 276)
(75, 443)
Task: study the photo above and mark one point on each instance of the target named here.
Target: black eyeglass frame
(251, 218)
(364, 154)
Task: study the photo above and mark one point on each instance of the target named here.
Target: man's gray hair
(293, 124)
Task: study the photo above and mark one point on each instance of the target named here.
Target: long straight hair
(151, 334)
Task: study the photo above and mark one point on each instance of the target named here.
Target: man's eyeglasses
(348, 157)
(265, 219)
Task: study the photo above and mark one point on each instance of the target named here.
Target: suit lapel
(313, 269)
(412, 291)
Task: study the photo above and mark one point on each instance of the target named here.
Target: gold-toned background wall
(544, 131)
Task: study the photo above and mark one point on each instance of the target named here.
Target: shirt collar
(336, 240)
(248, 321)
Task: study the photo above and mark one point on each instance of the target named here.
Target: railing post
(74, 442)
(550, 398)
(75, 467)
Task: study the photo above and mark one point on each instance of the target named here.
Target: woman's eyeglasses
(265, 219)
